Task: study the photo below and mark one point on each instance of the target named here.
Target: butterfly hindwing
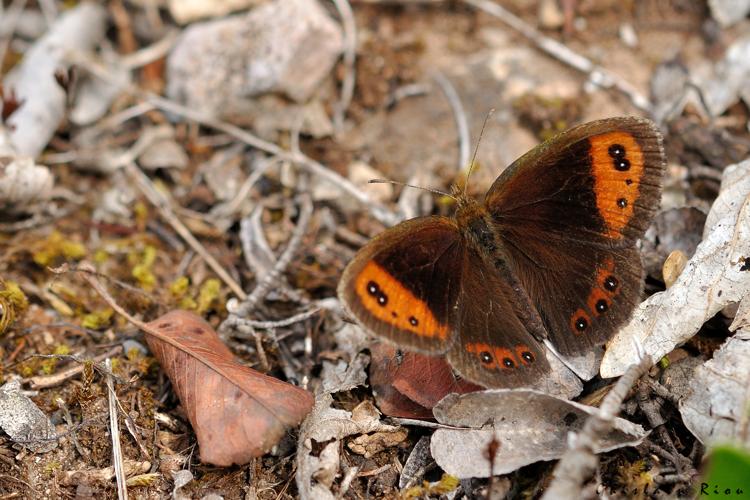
(495, 348)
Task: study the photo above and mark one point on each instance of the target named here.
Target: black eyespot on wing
(616, 151)
(486, 357)
(610, 283)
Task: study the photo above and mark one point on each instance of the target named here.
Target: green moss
(98, 320)
(56, 247)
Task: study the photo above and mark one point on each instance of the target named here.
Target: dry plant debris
(212, 159)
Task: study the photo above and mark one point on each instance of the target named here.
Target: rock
(23, 184)
(284, 46)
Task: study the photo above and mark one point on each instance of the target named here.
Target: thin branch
(47, 381)
(459, 115)
(597, 74)
(114, 430)
(237, 323)
(579, 461)
(350, 54)
(60, 402)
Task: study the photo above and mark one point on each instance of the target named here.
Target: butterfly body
(548, 254)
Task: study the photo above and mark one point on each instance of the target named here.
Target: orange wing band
(389, 301)
(617, 164)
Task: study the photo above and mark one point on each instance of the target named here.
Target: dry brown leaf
(410, 384)
(237, 413)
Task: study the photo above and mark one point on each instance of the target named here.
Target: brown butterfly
(549, 254)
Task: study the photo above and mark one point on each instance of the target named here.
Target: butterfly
(549, 254)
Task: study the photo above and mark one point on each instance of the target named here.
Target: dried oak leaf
(237, 413)
(408, 384)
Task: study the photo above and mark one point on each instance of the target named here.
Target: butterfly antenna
(476, 149)
(387, 181)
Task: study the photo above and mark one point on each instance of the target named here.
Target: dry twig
(462, 124)
(47, 381)
(114, 429)
(579, 462)
(350, 54)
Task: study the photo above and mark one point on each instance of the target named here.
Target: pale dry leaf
(742, 316)
(94, 96)
(716, 276)
(716, 408)
(729, 81)
(237, 413)
(164, 153)
(529, 427)
(181, 478)
(350, 338)
(324, 424)
(729, 12)
(23, 421)
(342, 376)
(285, 46)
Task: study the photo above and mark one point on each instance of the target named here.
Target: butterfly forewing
(569, 214)
(404, 284)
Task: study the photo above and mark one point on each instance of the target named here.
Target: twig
(597, 75)
(462, 124)
(350, 54)
(47, 381)
(662, 391)
(162, 203)
(579, 461)
(267, 325)
(114, 429)
(262, 288)
(650, 408)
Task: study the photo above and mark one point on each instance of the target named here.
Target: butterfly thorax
(475, 224)
(478, 229)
